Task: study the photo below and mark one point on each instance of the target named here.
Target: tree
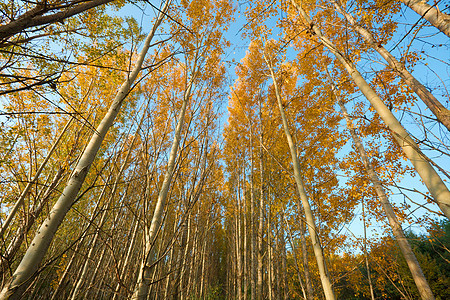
(43, 238)
(432, 14)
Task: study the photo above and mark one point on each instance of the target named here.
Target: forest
(224, 149)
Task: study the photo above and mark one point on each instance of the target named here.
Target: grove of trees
(224, 149)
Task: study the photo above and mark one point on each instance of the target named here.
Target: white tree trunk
(434, 183)
(245, 230)
(259, 285)
(430, 13)
(441, 113)
(44, 235)
(411, 260)
(252, 225)
(326, 283)
(144, 273)
(305, 297)
(238, 240)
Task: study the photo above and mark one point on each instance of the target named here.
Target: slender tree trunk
(203, 264)
(260, 289)
(430, 13)
(156, 268)
(100, 290)
(193, 259)
(283, 261)
(61, 284)
(434, 183)
(245, 250)
(26, 190)
(366, 258)
(84, 269)
(44, 235)
(126, 260)
(252, 225)
(90, 285)
(413, 264)
(171, 262)
(183, 264)
(144, 274)
(326, 283)
(269, 255)
(305, 258)
(238, 241)
(296, 261)
(441, 113)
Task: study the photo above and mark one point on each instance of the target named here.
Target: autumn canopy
(222, 149)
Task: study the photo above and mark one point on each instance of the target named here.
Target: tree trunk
(269, 254)
(413, 264)
(284, 278)
(326, 283)
(38, 16)
(61, 284)
(434, 183)
(244, 258)
(238, 240)
(430, 13)
(85, 265)
(203, 263)
(124, 266)
(259, 291)
(144, 274)
(296, 261)
(436, 107)
(44, 235)
(252, 225)
(366, 256)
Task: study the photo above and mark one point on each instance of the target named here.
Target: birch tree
(326, 283)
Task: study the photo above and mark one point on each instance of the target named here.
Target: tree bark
(259, 287)
(144, 273)
(296, 262)
(238, 240)
(37, 16)
(245, 246)
(366, 256)
(252, 225)
(430, 13)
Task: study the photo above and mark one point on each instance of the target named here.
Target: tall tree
(44, 236)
